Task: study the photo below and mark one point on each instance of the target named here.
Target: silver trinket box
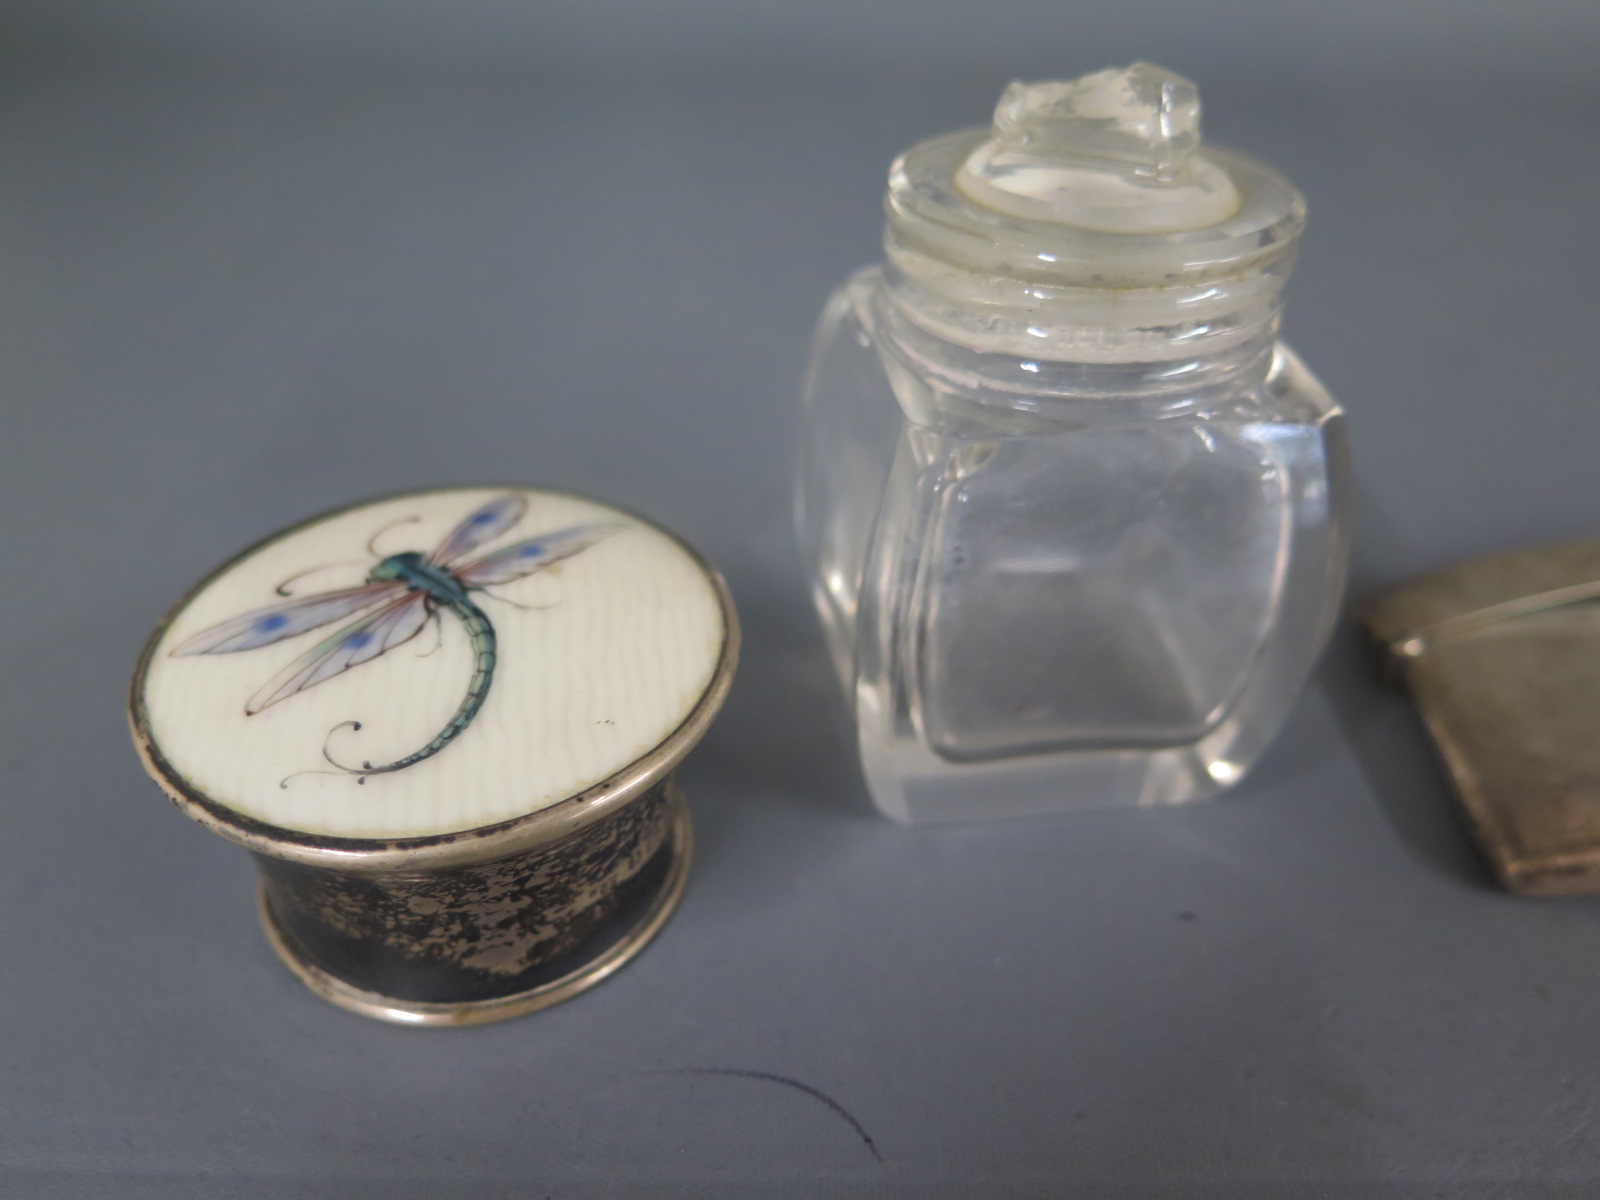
(1502, 655)
(445, 724)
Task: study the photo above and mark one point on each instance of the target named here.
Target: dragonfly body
(401, 594)
(443, 589)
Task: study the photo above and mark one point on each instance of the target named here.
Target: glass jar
(1075, 517)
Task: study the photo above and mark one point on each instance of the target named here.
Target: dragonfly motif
(401, 593)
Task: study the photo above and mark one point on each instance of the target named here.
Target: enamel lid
(432, 663)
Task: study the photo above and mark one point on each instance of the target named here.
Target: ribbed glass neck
(951, 374)
(1045, 291)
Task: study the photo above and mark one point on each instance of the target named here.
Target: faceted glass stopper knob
(1140, 117)
(1116, 150)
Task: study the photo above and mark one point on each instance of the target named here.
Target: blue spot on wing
(357, 640)
(484, 517)
(531, 550)
(270, 622)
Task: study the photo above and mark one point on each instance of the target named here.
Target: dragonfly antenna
(372, 542)
(358, 772)
(283, 588)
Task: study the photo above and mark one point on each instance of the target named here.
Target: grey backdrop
(259, 260)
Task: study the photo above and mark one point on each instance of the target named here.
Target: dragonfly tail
(484, 656)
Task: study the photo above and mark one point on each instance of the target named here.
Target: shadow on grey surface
(785, 731)
(1396, 757)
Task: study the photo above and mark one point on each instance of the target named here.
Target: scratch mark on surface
(815, 1093)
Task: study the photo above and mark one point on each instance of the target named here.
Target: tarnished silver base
(476, 1012)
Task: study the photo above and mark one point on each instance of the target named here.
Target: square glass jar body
(1050, 586)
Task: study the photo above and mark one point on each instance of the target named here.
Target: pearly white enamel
(600, 657)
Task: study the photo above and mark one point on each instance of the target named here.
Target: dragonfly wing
(534, 554)
(353, 645)
(264, 626)
(490, 521)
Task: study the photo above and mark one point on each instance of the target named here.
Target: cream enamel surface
(610, 652)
